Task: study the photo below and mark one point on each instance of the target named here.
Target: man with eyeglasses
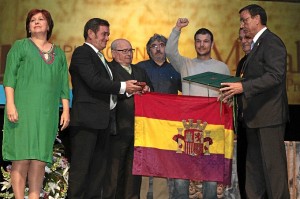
(165, 79)
(265, 107)
(203, 41)
(120, 183)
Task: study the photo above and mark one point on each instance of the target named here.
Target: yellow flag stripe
(155, 133)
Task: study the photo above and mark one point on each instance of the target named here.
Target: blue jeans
(178, 188)
(209, 190)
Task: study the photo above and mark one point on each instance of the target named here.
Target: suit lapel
(98, 61)
(256, 47)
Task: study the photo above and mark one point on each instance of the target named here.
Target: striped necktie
(113, 97)
(105, 64)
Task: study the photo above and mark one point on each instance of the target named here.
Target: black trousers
(119, 182)
(266, 165)
(89, 148)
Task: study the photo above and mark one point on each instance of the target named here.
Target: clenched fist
(181, 23)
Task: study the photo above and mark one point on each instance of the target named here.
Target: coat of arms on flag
(196, 140)
(184, 137)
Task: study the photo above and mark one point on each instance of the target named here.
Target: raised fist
(182, 22)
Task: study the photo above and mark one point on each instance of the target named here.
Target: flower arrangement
(56, 177)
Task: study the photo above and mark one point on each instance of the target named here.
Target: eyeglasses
(156, 46)
(125, 51)
(244, 20)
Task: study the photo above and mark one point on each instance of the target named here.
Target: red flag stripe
(183, 104)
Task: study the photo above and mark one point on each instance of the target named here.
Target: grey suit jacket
(265, 99)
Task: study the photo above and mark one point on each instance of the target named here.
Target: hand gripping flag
(183, 137)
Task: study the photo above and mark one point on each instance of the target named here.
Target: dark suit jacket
(91, 89)
(125, 105)
(265, 99)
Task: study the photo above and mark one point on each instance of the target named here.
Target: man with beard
(165, 79)
(203, 40)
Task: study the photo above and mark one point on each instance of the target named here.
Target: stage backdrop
(138, 20)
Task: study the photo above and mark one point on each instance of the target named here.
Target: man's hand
(146, 89)
(131, 86)
(229, 101)
(229, 90)
(181, 23)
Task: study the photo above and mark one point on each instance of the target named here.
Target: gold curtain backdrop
(138, 20)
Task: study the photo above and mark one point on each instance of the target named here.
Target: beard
(158, 56)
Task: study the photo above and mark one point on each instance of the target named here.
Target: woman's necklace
(47, 53)
(48, 56)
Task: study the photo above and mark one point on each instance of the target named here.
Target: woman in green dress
(35, 81)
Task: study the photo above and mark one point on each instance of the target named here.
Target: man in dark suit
(92, 113)
(265, 107)
(120, 183)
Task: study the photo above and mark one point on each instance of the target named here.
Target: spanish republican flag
(184, 137)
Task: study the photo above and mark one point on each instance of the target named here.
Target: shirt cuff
(123, 88)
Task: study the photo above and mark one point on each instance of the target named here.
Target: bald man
(120, 183)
